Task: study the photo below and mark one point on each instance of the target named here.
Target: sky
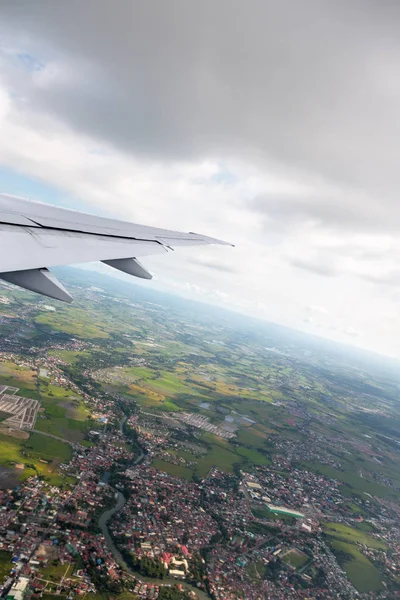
(274, 125)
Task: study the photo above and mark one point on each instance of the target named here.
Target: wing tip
(212, 240)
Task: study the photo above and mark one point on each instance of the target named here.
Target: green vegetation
(219, 455)
(183, 454)
(252, 437)
(5, 564)
(80, 326)
(295, 558)
(255, 570)
(173, 593)
(69, 356)
(262, 529)
(352, 535)
(47, 448)
(253, 457)
(169, 383)
(39, 454)
(361, 572)
(148, 567)
(65, 414)
(176, 470)
(56, 571)
(358, 485)
(20, 377)
(164, 360)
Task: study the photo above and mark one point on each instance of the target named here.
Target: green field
(184, 454)
(255, 570)
(358, 485)
(65, 414)
(223, 455)
(175, 470)
(252, 437)
(19, 377)
(5, 565)
(219, 457)
(47, 448)
(170, 383)
(161, 382)
(295, 558)
(139, 373)
(69, 356)
(57, 571)
(220, 454)
(253, 457)
(32, 452)
(352, 535)
(361, 572)
(78, 325)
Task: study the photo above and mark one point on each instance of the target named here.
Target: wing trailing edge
(35, 236)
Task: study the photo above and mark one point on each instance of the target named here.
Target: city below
(152, 448)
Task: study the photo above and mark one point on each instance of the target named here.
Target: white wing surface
(35, 236)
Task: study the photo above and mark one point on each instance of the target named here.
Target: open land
(285, 448)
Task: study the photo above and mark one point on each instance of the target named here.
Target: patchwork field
(61, 413)
(21, 377)
(79, 325)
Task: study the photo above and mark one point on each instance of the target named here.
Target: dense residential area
(170, 459)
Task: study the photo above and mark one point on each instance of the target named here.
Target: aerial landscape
(157, 448)
(199, 300)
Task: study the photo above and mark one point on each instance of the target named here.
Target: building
(282, 510)
(17, 591)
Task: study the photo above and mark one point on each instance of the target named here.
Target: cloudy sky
(272, 124)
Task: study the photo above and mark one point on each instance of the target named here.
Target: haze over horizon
(273, 125)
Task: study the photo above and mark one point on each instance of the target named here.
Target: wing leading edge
(35, 236)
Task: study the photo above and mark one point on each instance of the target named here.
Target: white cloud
(318, 309)
(315, 249)
(4, 104)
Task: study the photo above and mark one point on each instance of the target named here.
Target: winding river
(103, 524)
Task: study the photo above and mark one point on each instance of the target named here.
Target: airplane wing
(35, 236)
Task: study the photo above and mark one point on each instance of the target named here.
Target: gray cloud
(272, 124)
(313, 266)
(210, 263)
(386, 279)
(310, 84)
